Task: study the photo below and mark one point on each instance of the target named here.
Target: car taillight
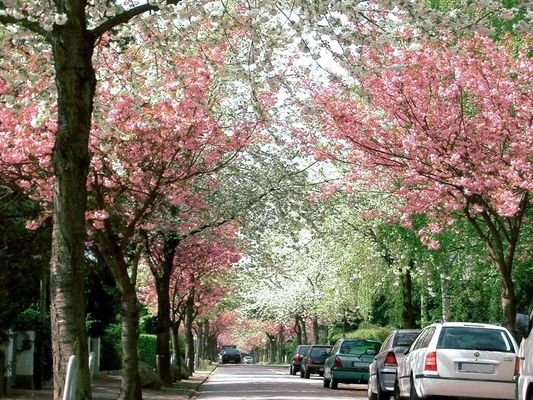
(516, 366)
(430, 363)
(337, 363)
(390, 360)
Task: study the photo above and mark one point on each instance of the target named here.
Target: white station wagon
(459, 359)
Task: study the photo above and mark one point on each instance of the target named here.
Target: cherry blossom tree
(67, 32)
(447, 127)
(125, 193)
(168, 254)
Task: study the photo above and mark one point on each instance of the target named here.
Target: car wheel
(413, 395)
(334, 384)
(292, 371)
(325, 383)
(301, 372)
(307, 374)
(381, 394)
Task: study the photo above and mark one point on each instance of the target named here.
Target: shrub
(147, 349)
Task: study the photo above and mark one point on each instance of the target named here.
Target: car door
(413, 363)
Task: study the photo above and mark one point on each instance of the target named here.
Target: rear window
(469, 338)
(404, 339)
(303, 350)
(359, 347)
(231, 351)
(319, 351)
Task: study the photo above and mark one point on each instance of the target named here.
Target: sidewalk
(106, 387)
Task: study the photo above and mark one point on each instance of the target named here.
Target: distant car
(458, 359)
(296, 360)
(247, 360)
(313, 361)
(230, 356)
(348, 362)
(524, 325)
(383, 369)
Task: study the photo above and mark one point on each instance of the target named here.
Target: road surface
(260, 382)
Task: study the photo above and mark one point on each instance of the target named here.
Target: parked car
(382, 370)
(247, 360)
(461, 360)
(313, 361)
(524, 326)
(348, 361)
(296, 360)
(230, 356)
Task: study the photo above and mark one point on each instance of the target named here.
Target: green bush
(148, 324)
(370, 332)
(147, 349)
(29, 319)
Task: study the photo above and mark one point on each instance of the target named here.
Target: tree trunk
(113, 255)
(500, 236)
(444, 298)
(280, 344)
(206, 354)
(176, 348)
(189, 337)
(408, 313)
(130, 388)
(298, 330)
(72, 47)
(508, 300)
(304, 331)
(316, 338)
(200, 341)
(163, 325)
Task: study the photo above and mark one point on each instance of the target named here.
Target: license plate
(476, 367)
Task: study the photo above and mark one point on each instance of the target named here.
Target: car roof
(469, 324)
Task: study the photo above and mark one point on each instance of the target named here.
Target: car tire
(413, 395)
(301, 372)
(381, 394)
(307, 374)
(292, 371)
(334, 384)
(325, 383)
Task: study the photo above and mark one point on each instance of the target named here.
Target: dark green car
(348, 361)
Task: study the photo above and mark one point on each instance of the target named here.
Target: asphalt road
(259, 382)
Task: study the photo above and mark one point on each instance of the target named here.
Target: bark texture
(72, 47)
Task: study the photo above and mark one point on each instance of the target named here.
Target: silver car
(382, 371)
(461, 360)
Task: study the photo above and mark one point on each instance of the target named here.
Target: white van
(525, 381)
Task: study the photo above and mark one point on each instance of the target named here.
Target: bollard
(69, 393)
(92, 365)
